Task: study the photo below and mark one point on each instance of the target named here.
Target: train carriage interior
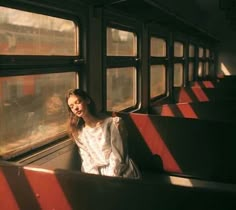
(166, 67)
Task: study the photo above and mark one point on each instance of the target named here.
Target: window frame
(121, 22)
(20, 65)
(163, 32)
(180, 59)
(10, 62)
(159, 61)
(191, 60)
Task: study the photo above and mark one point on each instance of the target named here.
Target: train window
(191, 62)
(212, 63)
(33, 110)
(121, 43)
(121, 88)
(121, 71)
(32, 80)
(200, 52)
(158, 53)
(178, 49)
(26, 33)
(178, 64)
(191, 51)
(157, 80)
(178, 74)
(200, 69)
(207, 62)
(158, 47)
(212, 55)
(207, 53)
(190, 71)
(206, 68)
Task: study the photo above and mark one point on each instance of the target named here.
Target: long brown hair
(76, 123)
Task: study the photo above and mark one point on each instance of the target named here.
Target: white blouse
(103, 149)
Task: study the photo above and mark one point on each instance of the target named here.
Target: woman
(102, 140)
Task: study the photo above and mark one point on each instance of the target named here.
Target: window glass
(33, 110)
(158, 47)
(178, 49)
(121, 43)
(190, 71)
(178, 74)
(207, 53)
(200, 52)
(26, 33)
(206, 68)
(121, 88)
(157, 80)
(212, 55)
(211, 67)
(191, 51)
(200, 69)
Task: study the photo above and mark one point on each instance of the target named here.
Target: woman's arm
(119, 154)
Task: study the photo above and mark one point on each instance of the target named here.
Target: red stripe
(208, 84)
(47, 190)
(187, 111)
(155, 141)
(196, 84)
(7, 199)
(183, 96)
(199, 93)
(166, 111)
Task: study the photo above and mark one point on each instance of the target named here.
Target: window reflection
(178, 49)
(206, 68)
(158, 47)
(158, 80)
(200, 52)
(33, 110)
(121, 43)
(121, 88)
(178, 75)
(190, 71)
(191, 51)
(207, 53)
(26, 33)
(200, 69)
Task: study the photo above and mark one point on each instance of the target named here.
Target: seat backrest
(199, 148)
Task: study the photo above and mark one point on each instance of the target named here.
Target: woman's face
(78, 105)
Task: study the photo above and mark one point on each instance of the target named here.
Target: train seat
(203, 94)
(38, 188)
(199, 148)
(211, 110)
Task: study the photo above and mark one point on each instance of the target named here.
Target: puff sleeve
(118, 158)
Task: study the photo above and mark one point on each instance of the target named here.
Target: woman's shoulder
(109, 118)
(115, 121)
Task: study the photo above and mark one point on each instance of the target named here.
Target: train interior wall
(61, 156)
(202, 182)
(161, 145)
(216, 17)
(197, 12)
